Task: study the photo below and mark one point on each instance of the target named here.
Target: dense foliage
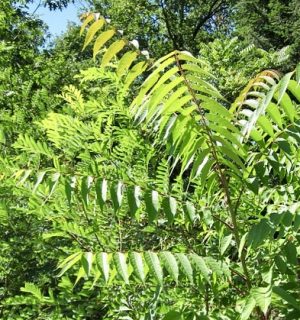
(271, 24)
(140, 187)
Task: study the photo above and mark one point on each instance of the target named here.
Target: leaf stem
(220, 172)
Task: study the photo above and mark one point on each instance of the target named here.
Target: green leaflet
(125, 62)
(161, 60)
(117, 195)
(199, 164)
(111, 52)
(250, 124)
(294, 89)
(189, 155)
(199, 84)
(288, 106)
(86, 184)
(101, 191)
(298, 73)
(2, 136)
(201, 266)
(102, 260)
(178, 128)
(68, 263)
(152, 78)
(170, 264)
(170, 208)
(205, 91)
(152, 204)
(187, 56)
(228, 136)
(80, 274)
(158, 96)
(194, 68)
(190, 211)
(185, 144)
(266, 125)
(137, 263)
(27, 143)
(258, 233)
(134, 199)
(280, 264)
(274, 113)
(224, 243)
(173, 315)
(256, 135)
(134, 72)
(96, 26)
(155, 268)
(39, 180)
(186, 266)
(222, 121)
(248, 308)
(166, 126)
(283, 85)
(70, 184)
(102, 39)
(231, 154)
(242, 244)
(163, 78)
(220, 268)
(291, 254)
(171, 100)
(146, 86)
(120, 262)
(53, 183)
(283, 294)
(32, 289)
(89, 18)
(87, 261)
(262, 297)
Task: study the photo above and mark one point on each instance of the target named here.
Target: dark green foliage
(271, 25)
(52, 4)
(162, 26)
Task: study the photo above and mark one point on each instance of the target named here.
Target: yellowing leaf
(102, 39)
(96, 26)
(112, 51)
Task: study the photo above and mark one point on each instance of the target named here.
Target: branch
(212, 10)
(219, 171)
(37, 7)
(168, 25)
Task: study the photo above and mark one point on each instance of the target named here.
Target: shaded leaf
(117, 195)
(120, 261)
(186, 266)
(87, 261)
(137, 263)
(154, 266)
(152, 204)
(170, 264)
(170, 207)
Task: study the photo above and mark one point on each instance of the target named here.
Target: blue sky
(58, 20)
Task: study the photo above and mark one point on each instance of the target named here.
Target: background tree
(227, 60)
(161, 26)
(31, 80)
(271, 25)
(51, 4)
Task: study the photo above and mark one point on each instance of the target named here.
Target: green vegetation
(159, 184)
